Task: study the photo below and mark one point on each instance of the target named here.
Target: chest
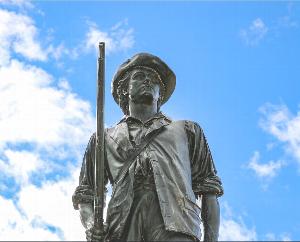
(169, 147)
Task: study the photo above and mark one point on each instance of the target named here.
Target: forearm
(86, 215)
(84, 203)
(211, 217)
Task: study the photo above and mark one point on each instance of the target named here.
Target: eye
(155, 80)
(140, 76)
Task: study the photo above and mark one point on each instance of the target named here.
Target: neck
(142, 111)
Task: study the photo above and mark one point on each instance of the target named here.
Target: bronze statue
(158, 167)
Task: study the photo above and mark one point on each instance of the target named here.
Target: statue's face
(143, 86)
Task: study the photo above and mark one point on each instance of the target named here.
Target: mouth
(147, 88)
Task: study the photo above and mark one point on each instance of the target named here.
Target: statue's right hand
(95, 235)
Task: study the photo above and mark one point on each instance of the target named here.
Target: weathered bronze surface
(158, 167)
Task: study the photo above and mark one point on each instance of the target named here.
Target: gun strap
(134, 153)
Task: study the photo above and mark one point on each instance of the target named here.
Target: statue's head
(143, 77)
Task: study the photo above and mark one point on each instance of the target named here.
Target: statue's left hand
(95, 235)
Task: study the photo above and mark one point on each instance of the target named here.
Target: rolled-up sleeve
(84, 192)
(204, 174)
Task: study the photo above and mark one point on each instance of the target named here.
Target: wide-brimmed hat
(146, 60)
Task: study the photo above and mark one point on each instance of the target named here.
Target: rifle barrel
(99, 149)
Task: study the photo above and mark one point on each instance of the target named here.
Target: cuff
(209, 185)
(82, 194)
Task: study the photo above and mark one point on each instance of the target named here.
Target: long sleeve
(204, 174)
(84, 193)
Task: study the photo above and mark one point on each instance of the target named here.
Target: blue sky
(237, 68)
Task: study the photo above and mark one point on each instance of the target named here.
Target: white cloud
(58, 51)
(119, 38)
(19, 34)
(44, 128)
(14, 226)
(234, 229)
(258, 30)
(20, 164)
(267, 170)
(51, 204)
(284, 126)
(231, 230)
(34, 110)
(23, 38)
(255, 32)
(39, 208)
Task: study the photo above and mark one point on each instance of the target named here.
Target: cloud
(61, 127)
(52, 205)
(284, 126)
(258, 30)
(21, 38)
(34, 110)
(255, 33)
(267, 170)
(14, 226)
(119, 38)
(233, 228)
(24, 40)
(42, 213)
(57, 52)
(20, 164)
(44, 129)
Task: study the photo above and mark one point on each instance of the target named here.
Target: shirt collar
(158, 116)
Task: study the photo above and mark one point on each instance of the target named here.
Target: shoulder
(109, 131)
(189, 126)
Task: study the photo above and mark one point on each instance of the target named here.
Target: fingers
(94, 235)
(105, 226)
(88, 234)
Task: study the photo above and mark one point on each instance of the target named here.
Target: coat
(183, 169)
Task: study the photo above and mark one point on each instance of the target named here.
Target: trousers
(145, 222)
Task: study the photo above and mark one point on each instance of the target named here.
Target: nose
(147, 81)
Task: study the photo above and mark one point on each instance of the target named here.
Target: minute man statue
(154, 199)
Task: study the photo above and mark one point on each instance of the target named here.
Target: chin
(145, 98)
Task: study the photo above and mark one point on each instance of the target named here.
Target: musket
(99, 148)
